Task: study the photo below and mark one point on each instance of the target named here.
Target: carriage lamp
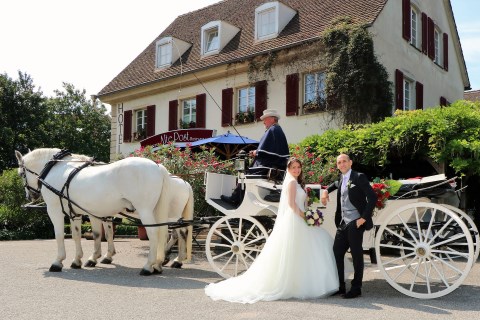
(240, 161)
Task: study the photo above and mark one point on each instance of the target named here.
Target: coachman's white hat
(270, 113)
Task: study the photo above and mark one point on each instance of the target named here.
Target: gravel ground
(117, 291)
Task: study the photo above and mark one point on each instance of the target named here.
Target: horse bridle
(31, 190)
(43, 174)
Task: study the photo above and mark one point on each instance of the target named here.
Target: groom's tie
(344, 183)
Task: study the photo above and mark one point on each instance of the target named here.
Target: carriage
(423, 246)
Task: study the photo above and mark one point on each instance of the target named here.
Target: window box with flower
(140, 135)
(314, 106)
(187, 125)
(245, 117)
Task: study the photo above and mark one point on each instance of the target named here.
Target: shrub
(191, 167)
(17, 222)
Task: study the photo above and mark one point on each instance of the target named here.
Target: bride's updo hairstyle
(291, 161)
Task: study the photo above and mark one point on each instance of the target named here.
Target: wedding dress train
(296, 262)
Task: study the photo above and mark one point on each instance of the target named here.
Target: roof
(312, 18)
(472, 95)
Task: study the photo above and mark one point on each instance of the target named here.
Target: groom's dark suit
(363, 198)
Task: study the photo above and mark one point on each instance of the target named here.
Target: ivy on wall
(356, 83)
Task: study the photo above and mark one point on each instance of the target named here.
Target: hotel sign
(178, 136)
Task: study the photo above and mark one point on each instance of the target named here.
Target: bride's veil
(283, 205)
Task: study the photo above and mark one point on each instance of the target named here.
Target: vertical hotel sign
(120, 124)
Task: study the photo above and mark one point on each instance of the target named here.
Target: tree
(22, 118)
(78, 124)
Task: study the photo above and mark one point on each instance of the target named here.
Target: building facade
(222, 65)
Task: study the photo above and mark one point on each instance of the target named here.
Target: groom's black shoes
(352, 294)
(341, 291)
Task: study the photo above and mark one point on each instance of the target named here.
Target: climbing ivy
(356, 83)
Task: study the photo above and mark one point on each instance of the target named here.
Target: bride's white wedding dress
(296, 262)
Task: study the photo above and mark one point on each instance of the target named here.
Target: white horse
(103, 191)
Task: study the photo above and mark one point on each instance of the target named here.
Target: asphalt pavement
(117, 291)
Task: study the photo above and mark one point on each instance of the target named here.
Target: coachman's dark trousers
(349, 236)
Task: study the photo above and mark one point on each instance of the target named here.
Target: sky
(88, 42)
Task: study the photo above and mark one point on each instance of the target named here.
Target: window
(212, 43)
(437, 46)
(414, 40)
(164, 56)
(141, 125)
(408, 99)
(314, 92)
(271, 18)
(246, 105)
(168, 51)
(266, 23)
(189, 113)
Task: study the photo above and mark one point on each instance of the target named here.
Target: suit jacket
(361, 195)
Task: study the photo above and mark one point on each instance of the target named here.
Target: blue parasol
(227, 145)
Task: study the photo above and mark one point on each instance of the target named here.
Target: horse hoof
(155, 271)
(55, 268)
(176, 265)
(146, 272)
(106, 261)
(75, 266)
(90, 264)
(167, 260)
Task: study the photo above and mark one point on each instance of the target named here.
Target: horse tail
(188, 215)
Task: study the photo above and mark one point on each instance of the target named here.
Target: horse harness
(60, 193)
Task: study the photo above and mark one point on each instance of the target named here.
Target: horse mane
(46, 154)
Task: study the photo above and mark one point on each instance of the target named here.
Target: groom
(355, 203)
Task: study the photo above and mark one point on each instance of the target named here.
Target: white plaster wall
(394, 52)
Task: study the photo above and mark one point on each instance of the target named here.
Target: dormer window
(216, 35)
(212, 42)
(164, 56)
(266, 23)
(271, 18)
(168, 51)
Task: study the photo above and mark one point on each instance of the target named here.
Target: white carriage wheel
(473, 232)
(471, 225)
(233, 243)
(431, 241)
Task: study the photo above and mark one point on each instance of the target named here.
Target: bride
(297, 260)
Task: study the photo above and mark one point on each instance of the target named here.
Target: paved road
(117, 291)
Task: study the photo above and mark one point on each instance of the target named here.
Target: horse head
(29, 168)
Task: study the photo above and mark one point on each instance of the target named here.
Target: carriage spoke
(399, 236)
(441, 275)
(220, 245)
(405, 267)
(244, 262)
(249, 231)
(231, 231)
(399, 258)
(254, 240)
(408, 228)
(456, 237)
(240, 230)
(415, 274)
(448, 253)
(440, 231)
(419, 229)
(223, 236)
(396, 247)
(228, 261)
(221, 255)
(430, 223)
(446, 264)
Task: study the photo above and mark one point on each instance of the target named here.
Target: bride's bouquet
(314, 217)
